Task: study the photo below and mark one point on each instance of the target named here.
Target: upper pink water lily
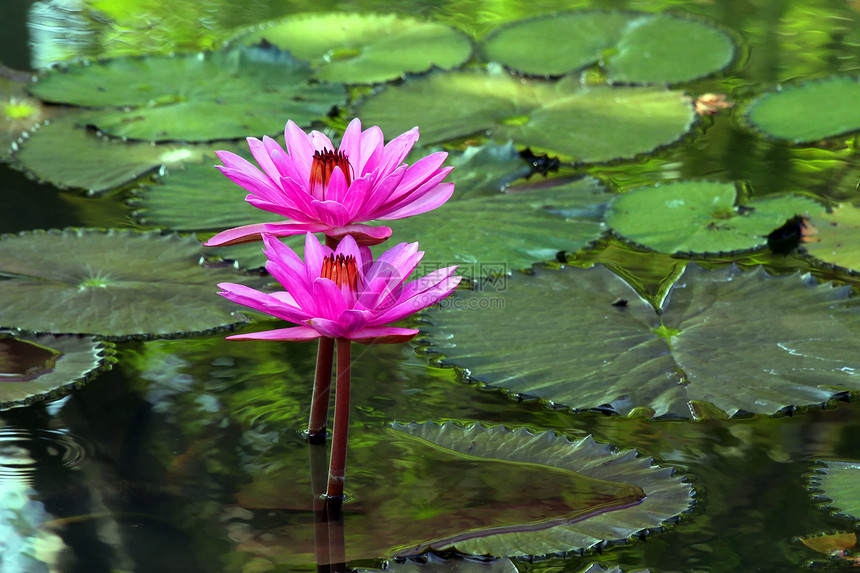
(342, 293)
(321, 188)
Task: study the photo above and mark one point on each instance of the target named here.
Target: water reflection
(24, 452)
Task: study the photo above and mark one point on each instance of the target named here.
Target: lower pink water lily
(342, 293)
(321, 188)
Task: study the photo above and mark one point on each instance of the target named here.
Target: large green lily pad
(19, 112)
(834, 237)
(581, 123)
(34, 368)
(492, 233)
(701, 217)
(632, 47)
(111, 283)
(839, 482)
(366, 48)
(70, 156)
(725, 342)
(193, 97)
(809, 111)
(666, 496)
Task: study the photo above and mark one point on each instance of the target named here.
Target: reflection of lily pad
(724, 341)
(666, 496)
(839, 482)
(587, 124)
(700, 217)
(431, 563)
(193, 97)
(809, 111)
(494, 233)
(46, 367)
(633, 47)
(71, 156)
(369, 48)
(112, 283)
(835, 237)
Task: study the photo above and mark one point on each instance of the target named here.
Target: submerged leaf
(114, 283)
(724, 340)
(34, 368)
(587, 124)
(701, 217)
(365, 48)
(633, 47)
(833, 543)
(193, 97)
(839, 482)
(809, 111)
(665, 496)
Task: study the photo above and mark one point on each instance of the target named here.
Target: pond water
(187, 455)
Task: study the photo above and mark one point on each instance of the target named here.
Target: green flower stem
(322, 391)
(337, 462)
(322, 380)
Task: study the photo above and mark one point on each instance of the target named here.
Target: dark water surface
(187, 455)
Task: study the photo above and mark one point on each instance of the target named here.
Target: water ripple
(27, 452)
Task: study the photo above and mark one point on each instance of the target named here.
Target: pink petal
(329, 299)
(292, 334)
(300, 149)
(262, 302)
(244, 234)
(297, 195)
(288, 211)
(355, 197)
(409, 306)
(332, 213)
(315, 253)
(363, 234)
(337, 187)
(350, 144)
(426, 203)
(260, 151)
(254, 182)
(287, 167)
(289, 228)
(396, 151)
(371, 151)
(382, 335)
(424, 169)
(379, 195)
(320, 141)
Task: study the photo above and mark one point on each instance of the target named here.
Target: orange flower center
(323, 166)
(342, 270)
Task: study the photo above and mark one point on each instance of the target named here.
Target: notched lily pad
(632, 47)
(366, 48)
(809, 111)
(585, 339)
(68, 155)
(661, 496)
(834, 237)
(34, 368)
(193, 97)
(588, 124)
(19, 112)
(839, 484)
(112, 283)
(701, 217)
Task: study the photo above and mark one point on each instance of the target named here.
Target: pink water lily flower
(342, 293)
(321, 188)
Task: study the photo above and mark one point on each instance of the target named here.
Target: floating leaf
(113, 283)
(68, 155)
(809, 111)
(431, 563)
(839, 481)
(834, 237)
(494, 233)
(701, 217)
(725, 341)
(833, 543)
(18, 113)
(193, 97)
(583, 123)
(666, 496)
(45, 367)
(366, 48)
(633, 47)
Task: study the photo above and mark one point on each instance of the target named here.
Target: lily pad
(834, 237)
(838, 482)
(810, 111)
(632, 47)
(492, 233)
(587, 124)
(34, 368)
(701, 217)
(19, 112)
(112, 283)
(193, 97)
(70, 156)
(431, 563)
(366, 48)
(666, 496)
(724, 342)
